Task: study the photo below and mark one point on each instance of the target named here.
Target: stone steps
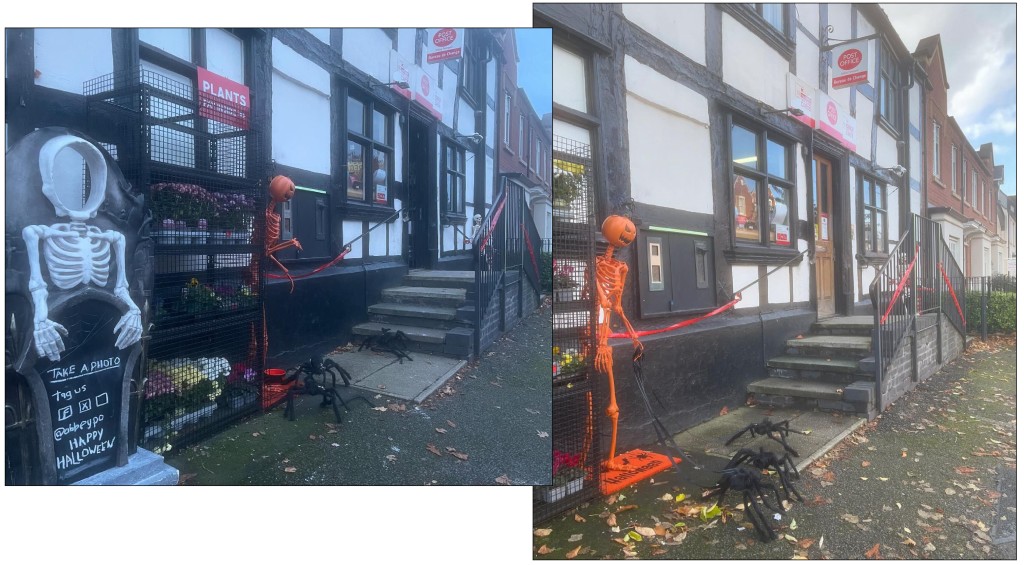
(857, 397)
(427, 296)
(465, 280)
(845, 325)
(437, 317)
(851, 347)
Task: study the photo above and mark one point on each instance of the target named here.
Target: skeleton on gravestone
(76, 253)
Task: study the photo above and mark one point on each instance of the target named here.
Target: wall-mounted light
(793, 111)
(898, 171)
(475, 137)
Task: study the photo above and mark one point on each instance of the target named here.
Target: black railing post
(984, 307)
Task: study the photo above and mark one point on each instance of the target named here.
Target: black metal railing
(952, 293)
(990, 304)
(892, 295)
(532, 255)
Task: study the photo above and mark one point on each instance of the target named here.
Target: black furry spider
(753, 488)
(319, 367)
(761, 459)
(395, 342)
(767, 428)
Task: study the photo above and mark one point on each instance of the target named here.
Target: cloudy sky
(979, 46)
(535, 67)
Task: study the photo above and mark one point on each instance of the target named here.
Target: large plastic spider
(753, 488)
(781, 464)
(319, 367)
(767, 428)
(394, 342)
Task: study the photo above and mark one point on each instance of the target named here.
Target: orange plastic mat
(644, 464)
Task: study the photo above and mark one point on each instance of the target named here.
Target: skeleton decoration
(75, 253)
(610, 282)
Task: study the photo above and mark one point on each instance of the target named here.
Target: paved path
(495, 414)
(934, 477)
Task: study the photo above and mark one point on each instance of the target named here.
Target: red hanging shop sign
(222, 99)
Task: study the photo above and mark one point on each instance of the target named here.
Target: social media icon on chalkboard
(84, 405)
(102, 400)
(64, 413)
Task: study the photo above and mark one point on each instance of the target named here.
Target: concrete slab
(143, 468)
(825, 430)
(855, 342)
(381, 373)
(797, 387)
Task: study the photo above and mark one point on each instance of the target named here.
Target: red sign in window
(222, 99)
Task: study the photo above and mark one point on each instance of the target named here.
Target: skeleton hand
(603, 359)
(48, 341)
(128, 329)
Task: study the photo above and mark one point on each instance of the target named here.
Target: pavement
(434, 421)
(933, 477)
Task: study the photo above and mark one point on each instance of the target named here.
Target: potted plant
(566, 187)
(183, 204)
(564, 282)
(567, 476)
(567, 361)
(233, 217)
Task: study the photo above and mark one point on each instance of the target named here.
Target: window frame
(473, 74)
(508, 119)
(888, 87)
(370, 146)
(954, 161)
(974, 189)
(763, 134)
(936, 150)
(522, 137)
(458, 212)
(877, 251)
(751, 16)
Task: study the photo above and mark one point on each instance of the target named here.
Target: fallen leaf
(433, 449)
(502, 480)
(543, 550)
(451, 424)
(964, 470)
(950, 491)
(929, 547)
(910, 542)
(792, 525)
(391, 458)
(542, 532)
(865, 463)
(644, 531)
(634, 536)
(532, 411)
(381, 408)
(612, 521)
(290, 469)
(723, 411)
(460, 456)
(335, 445)
(626, 507)
(255, 434)
(541, 434)
(873, 553)
(680, 497)
(863, 478)
(666, 496)
(572, 554)
(441, 430)
(709, 513)
(850, 518)
(575, 538)
(806, 432)
(805, 543)
(579, 518)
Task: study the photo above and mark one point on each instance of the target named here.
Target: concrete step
(414, 315)
(414, 333)
(441, 279)
(814, 364)
(854, 398)
(845, 325)
(441, 297)
(453, 342)
(851, 347)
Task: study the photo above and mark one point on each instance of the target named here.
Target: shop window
(874, 225)
(762, 187)
(369, 151)
(888, 79)
(454, 180)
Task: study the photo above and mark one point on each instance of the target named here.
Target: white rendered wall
(321, 33)
(364, 48)
(66, 58)
(802, 276)
(176, 41)
(778, 286)
(407, 43)
(752, 66)
(395, 232)
(466, 120)
(681, 26)
(865, 121)
(378, 241)
(669, 145)
(450, 95)
(807, 14)
(916, 165)
(742, 275)
(350, 229)
(807, 54)
(301, 115)
(893, 216)
(886, 154)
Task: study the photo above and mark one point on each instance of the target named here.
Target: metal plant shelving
(203, 171)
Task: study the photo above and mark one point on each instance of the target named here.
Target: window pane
(355, 170)
(380, 176)
(570, 79)
(879, 201)
(777, 159)
(773, 15)
(866, 187)
(778, 215)
(380, 133)
(880, 243)
(869, 230)
(176, 41)
(745, 204)
(744, 147)
(355, 116)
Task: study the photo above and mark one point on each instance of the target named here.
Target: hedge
(1002, 312)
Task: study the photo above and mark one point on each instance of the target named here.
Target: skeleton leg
(285, 270)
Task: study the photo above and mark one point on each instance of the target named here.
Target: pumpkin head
(282, 188)
(618, 230)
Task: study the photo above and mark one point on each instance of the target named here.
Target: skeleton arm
(622, 273)
(129, 327)
(47, 333)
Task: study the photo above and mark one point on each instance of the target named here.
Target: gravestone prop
(78, 274)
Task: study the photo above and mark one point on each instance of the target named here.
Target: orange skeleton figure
(281, 190)
(610, 282)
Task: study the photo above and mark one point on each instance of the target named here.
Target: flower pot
(555, 493)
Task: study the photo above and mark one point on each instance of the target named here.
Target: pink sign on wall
(836, 122)
(444, 43)
(422, 88)
(222, 99)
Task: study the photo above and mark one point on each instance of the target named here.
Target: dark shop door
(420, 195)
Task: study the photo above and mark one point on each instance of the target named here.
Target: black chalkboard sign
(84, 389)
